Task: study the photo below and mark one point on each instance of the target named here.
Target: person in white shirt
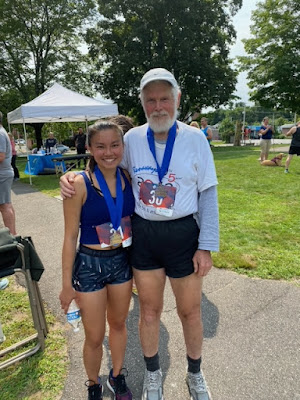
(6, 180)
(175, 226)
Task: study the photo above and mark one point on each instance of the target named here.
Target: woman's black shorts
(94, 269)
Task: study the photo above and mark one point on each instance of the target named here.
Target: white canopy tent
(59, 104)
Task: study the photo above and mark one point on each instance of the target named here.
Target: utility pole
(243, 127)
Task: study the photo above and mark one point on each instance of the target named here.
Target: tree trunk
(38, 134)
(237, 136)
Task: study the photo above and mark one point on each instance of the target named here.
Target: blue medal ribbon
(115, 209)
(163, 169)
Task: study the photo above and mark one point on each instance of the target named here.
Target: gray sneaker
(197, 386)
(152, 387)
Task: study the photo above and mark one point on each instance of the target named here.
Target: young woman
(98, 275)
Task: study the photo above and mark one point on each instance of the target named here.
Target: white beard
(161, 122)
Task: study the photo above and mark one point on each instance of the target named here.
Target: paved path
(251, 326)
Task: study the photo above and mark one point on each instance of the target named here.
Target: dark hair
(98, 126)
(125, 123)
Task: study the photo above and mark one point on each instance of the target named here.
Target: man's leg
(288, 161)
(188, 293)
(150, 285)
(78, 161)
(8, 215)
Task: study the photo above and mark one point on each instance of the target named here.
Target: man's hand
(66, 185)
(202, 262)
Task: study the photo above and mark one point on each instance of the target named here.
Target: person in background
(195, 124)
(14, 157)
(80, 143)
(126, 124)
(98, 275)
(295, 145)
(266, 131)
(206, 129)
(6, 180)
(175, 226)
(50, 142)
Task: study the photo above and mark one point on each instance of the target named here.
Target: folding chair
(18, 254)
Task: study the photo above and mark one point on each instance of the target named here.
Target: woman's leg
(93, 310)
(13, 164)
(118, 299)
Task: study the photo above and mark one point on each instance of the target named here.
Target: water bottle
(2, 337)
(73, 316)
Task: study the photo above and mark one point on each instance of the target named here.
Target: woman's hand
(65, 297)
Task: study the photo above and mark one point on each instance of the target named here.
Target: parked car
(61, 148)
(20, 141)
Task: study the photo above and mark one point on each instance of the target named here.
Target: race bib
(108, 236)
(161, 197)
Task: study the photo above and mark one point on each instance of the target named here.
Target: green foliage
(273, 61)
(227, 129)
(189, 37)
(39, 44)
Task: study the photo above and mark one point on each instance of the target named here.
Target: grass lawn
(41, 376)
(259, 213)
(38, 377)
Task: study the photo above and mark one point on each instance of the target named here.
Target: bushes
(227, 129)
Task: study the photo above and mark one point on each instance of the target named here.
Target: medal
(163, 169)
(161, 191)
(115, 209)
(115, 239)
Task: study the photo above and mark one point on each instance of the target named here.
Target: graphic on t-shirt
(157, 196)
(108, 236)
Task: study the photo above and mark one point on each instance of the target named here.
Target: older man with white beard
(175, 225)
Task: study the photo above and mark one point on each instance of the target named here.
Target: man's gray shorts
(5, 189)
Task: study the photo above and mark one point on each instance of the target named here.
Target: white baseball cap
(158, 74)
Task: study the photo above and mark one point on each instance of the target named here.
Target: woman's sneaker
(118, 386)
(95, 390)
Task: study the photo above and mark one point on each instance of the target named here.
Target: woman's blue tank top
(95, 212)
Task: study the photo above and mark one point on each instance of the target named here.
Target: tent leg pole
(27, 152)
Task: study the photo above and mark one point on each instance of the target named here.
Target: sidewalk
(251, 326)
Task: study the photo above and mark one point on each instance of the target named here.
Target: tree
(39, 41)
(273, 60)
(189, 37)
(227, 129)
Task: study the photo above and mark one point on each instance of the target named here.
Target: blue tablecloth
(40, 164)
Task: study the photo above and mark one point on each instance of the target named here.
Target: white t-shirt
(6, 170)
(191, 169)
